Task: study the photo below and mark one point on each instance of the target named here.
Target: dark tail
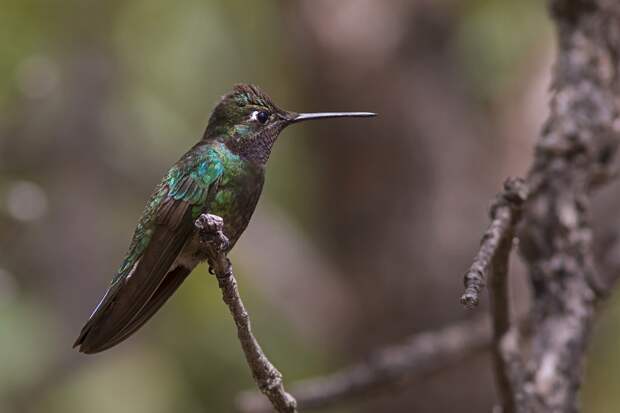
(94, 339)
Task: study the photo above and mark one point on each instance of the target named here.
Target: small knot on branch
(513, 196)
(515, 191)
(272, 382)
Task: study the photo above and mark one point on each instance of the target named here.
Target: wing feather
(139, 290)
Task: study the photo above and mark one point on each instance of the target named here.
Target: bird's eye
(261, 116)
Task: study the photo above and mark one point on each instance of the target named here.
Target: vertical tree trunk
(573, 156)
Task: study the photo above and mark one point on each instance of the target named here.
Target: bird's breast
(235, 200)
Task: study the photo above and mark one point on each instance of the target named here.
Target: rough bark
(574, 152)
(542, 371)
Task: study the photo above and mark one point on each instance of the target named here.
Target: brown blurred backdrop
(364, 229)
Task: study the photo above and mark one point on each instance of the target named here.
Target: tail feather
(91, 342)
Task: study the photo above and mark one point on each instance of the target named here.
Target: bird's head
(248, 121)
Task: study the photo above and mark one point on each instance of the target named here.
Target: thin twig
(508, 348)
(499, 235)
(506, 212)
(492, 262)
(420, 356)
(266, 376)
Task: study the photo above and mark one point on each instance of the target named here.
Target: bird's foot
(211, 231)
(209, 223)
(227, 272)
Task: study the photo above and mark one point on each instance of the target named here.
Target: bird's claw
(224, 242)
(211, 228)
(227, 272)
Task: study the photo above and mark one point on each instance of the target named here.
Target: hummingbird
(223, 175)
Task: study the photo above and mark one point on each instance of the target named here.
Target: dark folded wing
(131, 295)
(147, 280)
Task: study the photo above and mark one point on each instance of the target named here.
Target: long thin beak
(324, 115)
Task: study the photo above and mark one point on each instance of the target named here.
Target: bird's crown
(245, 94)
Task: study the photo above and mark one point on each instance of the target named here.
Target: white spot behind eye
(254, 115)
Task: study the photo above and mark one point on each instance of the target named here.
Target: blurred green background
(363, 231)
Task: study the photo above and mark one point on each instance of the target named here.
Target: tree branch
(540, 371)
(506, 210)
(577, 144)
(492, 262)
(419, 356)
(266, 376)
(578, 141)
(496, 241)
